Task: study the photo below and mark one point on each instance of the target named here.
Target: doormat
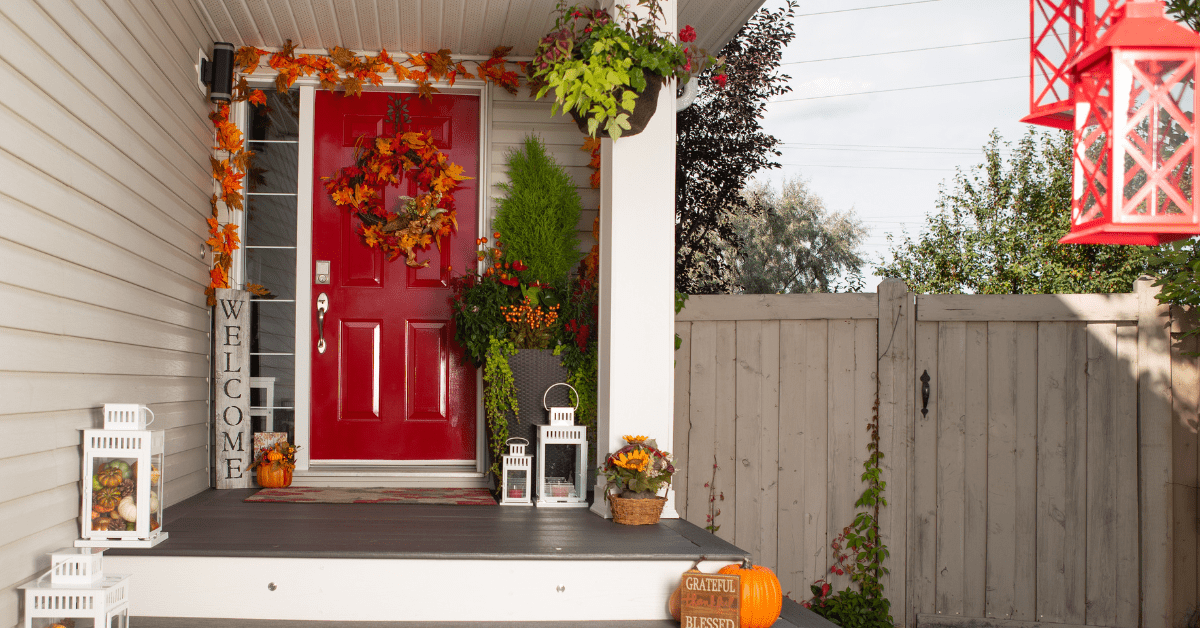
(340, 495)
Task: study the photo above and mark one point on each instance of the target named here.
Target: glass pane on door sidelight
(279, 119)
(270, 221)
(273, 168)
(273, 269)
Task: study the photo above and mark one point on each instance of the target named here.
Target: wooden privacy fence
(1051, 478)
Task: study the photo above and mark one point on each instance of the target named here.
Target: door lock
(322, 273)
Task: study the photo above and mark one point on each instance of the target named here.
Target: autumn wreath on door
(413, 223)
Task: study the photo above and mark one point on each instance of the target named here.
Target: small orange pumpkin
(762, 597)
(110, 475)
(106, 499)
(274, 476)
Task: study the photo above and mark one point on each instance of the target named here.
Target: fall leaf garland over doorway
(340, 69)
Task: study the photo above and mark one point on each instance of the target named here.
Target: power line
(897, 52)
(900, 89)
(840, 145)
(866, 167)
(880, 6)
(950, 152)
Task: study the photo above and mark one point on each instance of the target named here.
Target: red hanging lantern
(1135, 131)
(1058, 31)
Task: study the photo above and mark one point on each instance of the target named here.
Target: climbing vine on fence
(859, 552)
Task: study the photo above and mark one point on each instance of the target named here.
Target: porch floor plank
(219, 523)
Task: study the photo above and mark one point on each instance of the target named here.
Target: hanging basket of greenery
(643, 109)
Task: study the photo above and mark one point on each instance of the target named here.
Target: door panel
(391, 385)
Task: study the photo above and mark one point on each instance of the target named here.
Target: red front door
(390, 386)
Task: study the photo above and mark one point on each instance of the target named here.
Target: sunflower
(635, 460)
(636, 440)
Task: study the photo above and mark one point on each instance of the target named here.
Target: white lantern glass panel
(122, 486)
(516, 469)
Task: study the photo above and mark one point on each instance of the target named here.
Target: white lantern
(561, 415)
(103, 604)
(515, 472)
(122, 488)
(560, 492)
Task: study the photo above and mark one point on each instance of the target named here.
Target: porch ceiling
(466, 27)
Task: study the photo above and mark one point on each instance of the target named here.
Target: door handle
(322, 307)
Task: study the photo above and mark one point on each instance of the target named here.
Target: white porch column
(637, 285)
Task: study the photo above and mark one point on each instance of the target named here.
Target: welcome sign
(710, 600)
(231, 395)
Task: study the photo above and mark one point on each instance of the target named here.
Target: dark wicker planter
(643, 110)
(535, 370)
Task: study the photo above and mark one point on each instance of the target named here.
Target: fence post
(1154, 455)
(895, 414)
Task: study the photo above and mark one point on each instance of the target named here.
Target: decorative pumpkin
(155, 474)
(674, 603)
(127, 509)
(109, 475)
(274, 455)
(274, 476)
(123, 467)
(106, 499)
(154, 502)
(761, 598)
(96, 483)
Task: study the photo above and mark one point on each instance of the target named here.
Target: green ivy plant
(859, 552)
(499, 398)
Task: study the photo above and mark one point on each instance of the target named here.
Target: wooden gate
(1051, 478)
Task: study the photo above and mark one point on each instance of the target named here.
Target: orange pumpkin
(110, 475)
(106, 499)
(274, 476)
(762, 597)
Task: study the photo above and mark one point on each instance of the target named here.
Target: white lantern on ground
(515, 472)
(103, 604)
(122, 488)
(565, 492)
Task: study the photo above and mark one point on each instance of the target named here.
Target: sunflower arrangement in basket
(639, 470)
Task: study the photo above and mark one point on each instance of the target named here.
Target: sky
(884, 155)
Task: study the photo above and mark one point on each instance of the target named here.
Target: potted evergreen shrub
(606, 70)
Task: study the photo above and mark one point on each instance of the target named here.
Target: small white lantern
(104, 604)
(561, 415)
(73, 566)
(122, 488)
(127, 416)
(515, 474)
(562, 492)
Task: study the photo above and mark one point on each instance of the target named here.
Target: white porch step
(430, 590)
(458, 476)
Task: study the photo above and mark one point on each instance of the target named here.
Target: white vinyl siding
(104, 187)
(514, 117)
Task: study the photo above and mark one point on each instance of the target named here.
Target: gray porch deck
(219, 524)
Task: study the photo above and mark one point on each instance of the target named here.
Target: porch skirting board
(422, 590)
(390, 477)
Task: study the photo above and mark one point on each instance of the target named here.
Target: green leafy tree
(720, 144)
(787, 241)
(1185, 11)
(997, 230)
(539, 213)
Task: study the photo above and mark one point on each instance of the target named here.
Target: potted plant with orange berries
(636, 473)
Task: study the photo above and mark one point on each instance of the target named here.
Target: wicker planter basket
(636, 512)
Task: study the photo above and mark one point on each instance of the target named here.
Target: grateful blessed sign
(709, 600)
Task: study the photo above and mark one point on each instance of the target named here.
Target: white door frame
(304, 262)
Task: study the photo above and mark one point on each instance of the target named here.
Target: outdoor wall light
(218, 73)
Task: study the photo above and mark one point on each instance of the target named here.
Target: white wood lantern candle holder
(561, 492)
(75, 566)
(561, 415)
(122, 489)
(515, 474)
(127, 416)
(104, 604)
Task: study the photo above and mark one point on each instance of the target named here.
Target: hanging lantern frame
(1135, 139)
